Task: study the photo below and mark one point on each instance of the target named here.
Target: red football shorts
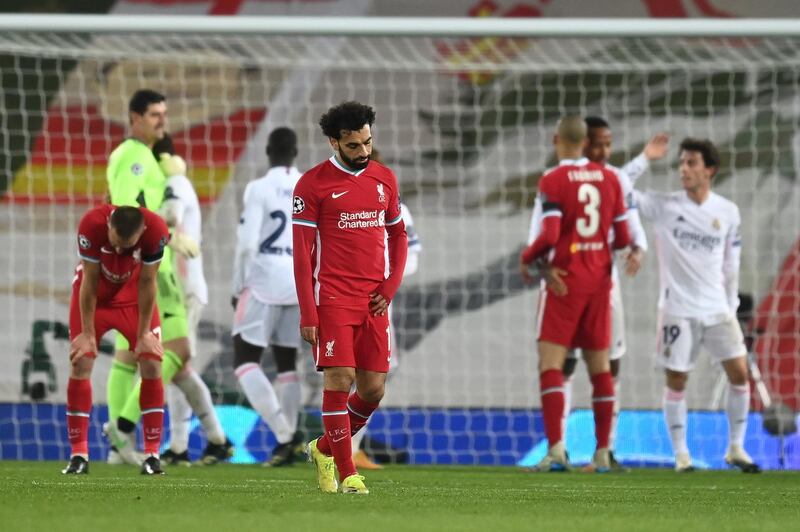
(352, 338)
(124, 320)
(576, 320)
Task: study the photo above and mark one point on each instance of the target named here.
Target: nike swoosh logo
(105, 250)
(339, 195)
(340, 439)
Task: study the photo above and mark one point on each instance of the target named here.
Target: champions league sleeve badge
(298, 205)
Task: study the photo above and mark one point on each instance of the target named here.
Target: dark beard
(350, 163)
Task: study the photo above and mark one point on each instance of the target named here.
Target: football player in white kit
(267, 313)
(598, 150)
(181, 211)
(699, 247)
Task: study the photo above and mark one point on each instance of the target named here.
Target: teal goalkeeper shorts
(171, 310)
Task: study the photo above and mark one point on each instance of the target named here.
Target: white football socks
(199, 398)
(287, 386)
(264, 400)
(737, 408)
(180, 414)
(357, 438)
(612, 435)
(567, 407)
(675, 416)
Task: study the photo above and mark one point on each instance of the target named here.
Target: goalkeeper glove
(172, 165)
(185, 245)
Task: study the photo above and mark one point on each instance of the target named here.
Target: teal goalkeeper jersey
(135, 178)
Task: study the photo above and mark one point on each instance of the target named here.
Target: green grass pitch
(36, 496)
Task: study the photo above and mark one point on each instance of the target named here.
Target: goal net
(466, 123)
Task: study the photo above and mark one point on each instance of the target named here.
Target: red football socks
(337, 439)
(359, 411)
(79, 407)
(603, 406)
(551, 383)
(151, 401)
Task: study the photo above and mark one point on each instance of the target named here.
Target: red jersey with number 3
(588, 199)
(119, 272)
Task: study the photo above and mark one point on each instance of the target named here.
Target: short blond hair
(572, 130)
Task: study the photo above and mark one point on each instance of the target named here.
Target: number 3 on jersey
(590, 196)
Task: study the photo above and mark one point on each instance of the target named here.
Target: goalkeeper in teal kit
(135, 178)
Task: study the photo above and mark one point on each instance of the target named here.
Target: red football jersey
(119, 272)
(588, 199)
(351, 212)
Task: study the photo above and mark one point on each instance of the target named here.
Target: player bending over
(115, 288)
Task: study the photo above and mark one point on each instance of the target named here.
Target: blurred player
(115, 288)
(598, 150)
(346, 218)
(360, 457)
(188, 392)
(580, 202)
(699, 249)
(135, 178)
(265, 299)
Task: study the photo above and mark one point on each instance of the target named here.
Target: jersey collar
(583, 161)
(341, 167)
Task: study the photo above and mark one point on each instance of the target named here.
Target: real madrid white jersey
(263, 260)
(699, 248)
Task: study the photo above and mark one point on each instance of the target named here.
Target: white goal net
(466, 123)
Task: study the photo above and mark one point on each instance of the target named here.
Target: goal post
(466, 110)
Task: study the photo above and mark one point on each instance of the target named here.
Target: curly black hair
(347, 116)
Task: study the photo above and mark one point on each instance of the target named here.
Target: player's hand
(633, 261)
(657, 147)
(149, 343)
(83, 345)
(310, 334)
(172, 165)
(378, 305)
(184, 245)
(525, 272)
(553, 278)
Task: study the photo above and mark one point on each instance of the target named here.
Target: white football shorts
(680, 340)
(263, 324)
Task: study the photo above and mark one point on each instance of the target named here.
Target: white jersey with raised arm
(626, 181)
(699, 249)
(263, 260)
(180, 200)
